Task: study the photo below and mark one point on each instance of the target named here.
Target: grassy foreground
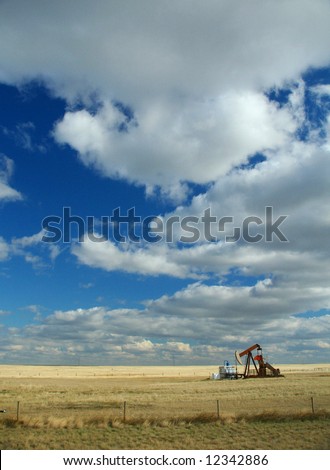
(162, 408)
(262, 432)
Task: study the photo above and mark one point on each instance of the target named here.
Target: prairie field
(85, 407)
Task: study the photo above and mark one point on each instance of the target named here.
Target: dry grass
(101, 421)
(238, 434)
(83, 407)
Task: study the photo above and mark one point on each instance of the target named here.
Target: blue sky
(177, 112)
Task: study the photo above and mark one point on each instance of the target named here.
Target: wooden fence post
(124, 411)
(312, 401)
(17, 411)
(218, 408)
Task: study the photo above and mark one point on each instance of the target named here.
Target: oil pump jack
(256, 367)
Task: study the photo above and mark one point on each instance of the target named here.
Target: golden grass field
(85, 407)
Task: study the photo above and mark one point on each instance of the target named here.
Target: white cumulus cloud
(7, 193)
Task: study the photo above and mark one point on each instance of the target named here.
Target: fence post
(124, 411)
(218, 408)
(312, 401)
(17, 411)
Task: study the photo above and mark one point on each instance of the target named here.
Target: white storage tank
(227, 371)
